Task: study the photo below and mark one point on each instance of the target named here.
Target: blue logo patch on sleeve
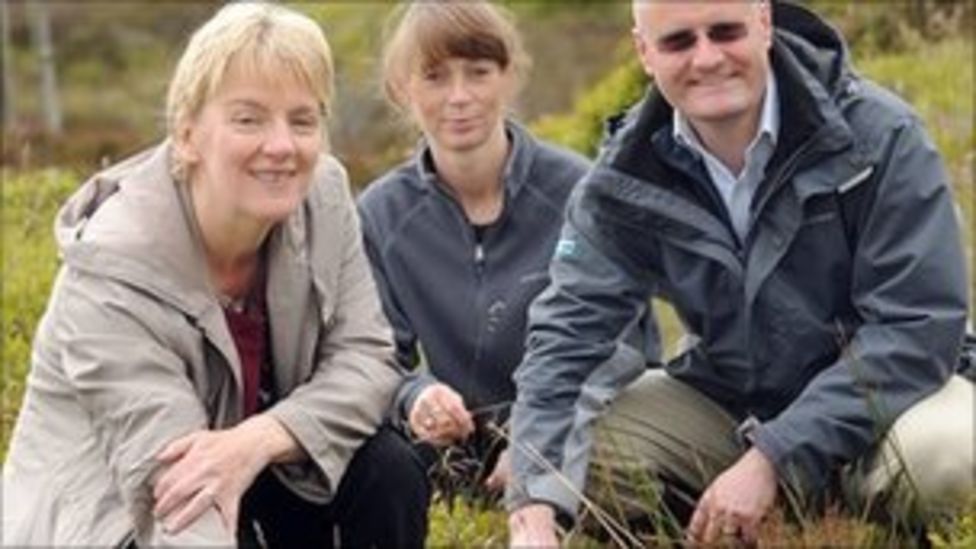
(566, 248)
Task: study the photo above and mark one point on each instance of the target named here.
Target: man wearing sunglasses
(799, 220)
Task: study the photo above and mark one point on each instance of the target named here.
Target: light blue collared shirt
(737, 191)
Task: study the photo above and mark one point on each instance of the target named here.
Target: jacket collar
(810, 81)
(135, 221)
(132, 222)
(518, 166)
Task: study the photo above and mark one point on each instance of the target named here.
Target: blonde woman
(214, 366)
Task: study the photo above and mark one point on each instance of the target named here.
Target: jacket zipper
(478, 264)
(479, 259)
(787, 168)
(479, 271)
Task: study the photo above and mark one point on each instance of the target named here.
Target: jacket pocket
(534, 278)
(823, 217)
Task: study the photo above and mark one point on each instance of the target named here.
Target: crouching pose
(460, 236)
(214, 365)
(800, 221)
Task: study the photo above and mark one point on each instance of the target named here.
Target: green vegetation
(582, 129)
(959, 531)
(458, 523)
(937, 78)
(29, 262)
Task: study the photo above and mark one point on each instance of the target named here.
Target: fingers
(176, 448)
(736, 502)
(183, 478)
(176, 486)
(185, 492)
(500, 474)
(696, 527)
(715, 527)
(496, 481)
(184, 515)
(440, 416)
(202, 470)
(749, 531)
(533, 526)
(229, 508)
(709, 525)
(448, 413)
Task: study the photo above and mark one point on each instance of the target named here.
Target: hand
(214, 468)
(501, 474)
(736, 502)
(533, 526)
(439, 416)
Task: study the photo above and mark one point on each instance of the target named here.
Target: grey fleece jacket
(464, 303)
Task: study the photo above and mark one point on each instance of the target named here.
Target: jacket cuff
(549, 488)
(792, 470)
(313, 483)
(406, 396)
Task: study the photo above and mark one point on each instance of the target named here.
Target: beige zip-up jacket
(133, 352)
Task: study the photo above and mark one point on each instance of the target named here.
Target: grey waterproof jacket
(843, 306)
(462, 302)
(134, 352)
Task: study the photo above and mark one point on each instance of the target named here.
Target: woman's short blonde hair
(254, 37)
(427, 33)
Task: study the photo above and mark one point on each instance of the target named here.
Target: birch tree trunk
(50, 104)
(8, 103)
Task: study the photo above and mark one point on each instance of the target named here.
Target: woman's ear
(513, 85)
(398, 92)
(183, 145)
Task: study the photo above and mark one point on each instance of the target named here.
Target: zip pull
(479, 255)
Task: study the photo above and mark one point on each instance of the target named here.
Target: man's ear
(766, 21)
(643, 51)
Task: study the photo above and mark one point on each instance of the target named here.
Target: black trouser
(381, 501)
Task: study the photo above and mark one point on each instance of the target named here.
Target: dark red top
(249, 328)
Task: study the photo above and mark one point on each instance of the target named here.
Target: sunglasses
(685, 39)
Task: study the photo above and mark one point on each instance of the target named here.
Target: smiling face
(708, 59)
(459, 103)
(251, 150)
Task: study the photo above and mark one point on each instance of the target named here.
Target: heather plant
(958, 531)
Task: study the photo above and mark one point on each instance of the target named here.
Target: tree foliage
(583, 128)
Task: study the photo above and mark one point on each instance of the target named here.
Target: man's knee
(934, 442)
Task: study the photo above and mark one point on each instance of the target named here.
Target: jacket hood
(811, 61)
(815, 44)
(132, 222)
